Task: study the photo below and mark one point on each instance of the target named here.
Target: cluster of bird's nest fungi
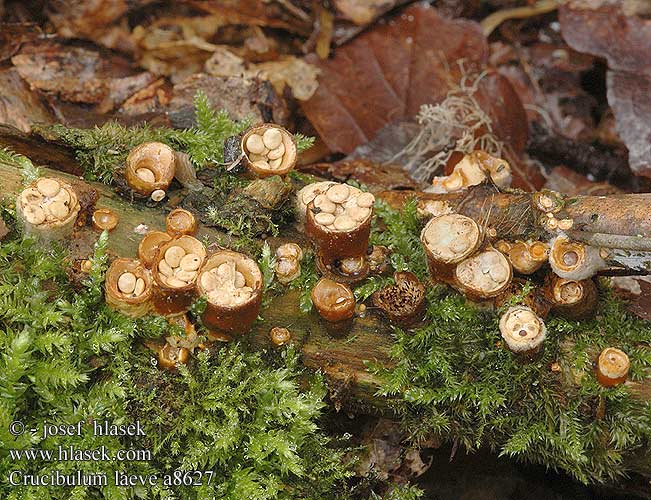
(173, 268)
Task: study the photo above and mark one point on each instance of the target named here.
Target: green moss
(453, 379)
(68, 358)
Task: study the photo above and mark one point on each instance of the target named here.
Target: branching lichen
(458, 124)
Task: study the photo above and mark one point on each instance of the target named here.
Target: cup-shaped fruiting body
(169, 357)
(179, 221)
(484, 275)
(523, 330)
(612, 367)
(404, 302)
(288, 262)
(333, 301)
(149, 246)
(280, 336)
(338, 222)
(48, 208)
(448, 240)
(129, 287)
(232, 284)
(526, 257)
(105, 219)
(378, 259)
(150, 167)
(473, 169)
(548, 201)
(269, 149)
(573, 299)
(305, 196)
(574, 260)
(175, 273)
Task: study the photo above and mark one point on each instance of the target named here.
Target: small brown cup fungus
(612, 367)
(338, 222)
(522, 330)
(335, 303)
(378, 260)
(129, 287)
(574, 260)
(269, 149)
(232, 284)
(573, 299)
(473, 169)
(149, 246)
(448, 240)
(48, 208)
(404, 302)
(169, 357)
(484, 275)
(548, 201)
(288, 262)
(527, 257)
(280, 336)
(175, 272)
(105, 219)
(150, 167)
(179, 222)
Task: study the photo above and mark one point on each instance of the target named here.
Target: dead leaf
(80, 75)
(102, 21)
(611, 30)
(300, 76)
(20, 106)
(363, 12)
(387, 73)
(13, 35)
(243, 98)
(376, 177)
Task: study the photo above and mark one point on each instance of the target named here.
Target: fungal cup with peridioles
(179, 221)
(128, 287)
(269, 150)
(150, 167)
(232, 284)
(612, 367)
(48, 208)
(335, 303)
(484, 275)
(447, 240)
(522, 330)
(175, 271)
(573, 299)
(338, 222)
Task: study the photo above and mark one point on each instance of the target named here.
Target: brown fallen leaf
(14, 35)
(102, 21)
(20, 106)
(387, 73)
(78, 74)
(613, 30)
(290, 71)
(377, 177)
(243, 98)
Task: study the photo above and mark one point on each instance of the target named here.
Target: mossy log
(343, 359)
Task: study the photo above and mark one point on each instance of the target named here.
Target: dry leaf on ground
(613, 31)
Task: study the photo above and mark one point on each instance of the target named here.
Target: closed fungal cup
(48, 209)
(232, 284)
(128, 287)
(175, 273)
(269, 150)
